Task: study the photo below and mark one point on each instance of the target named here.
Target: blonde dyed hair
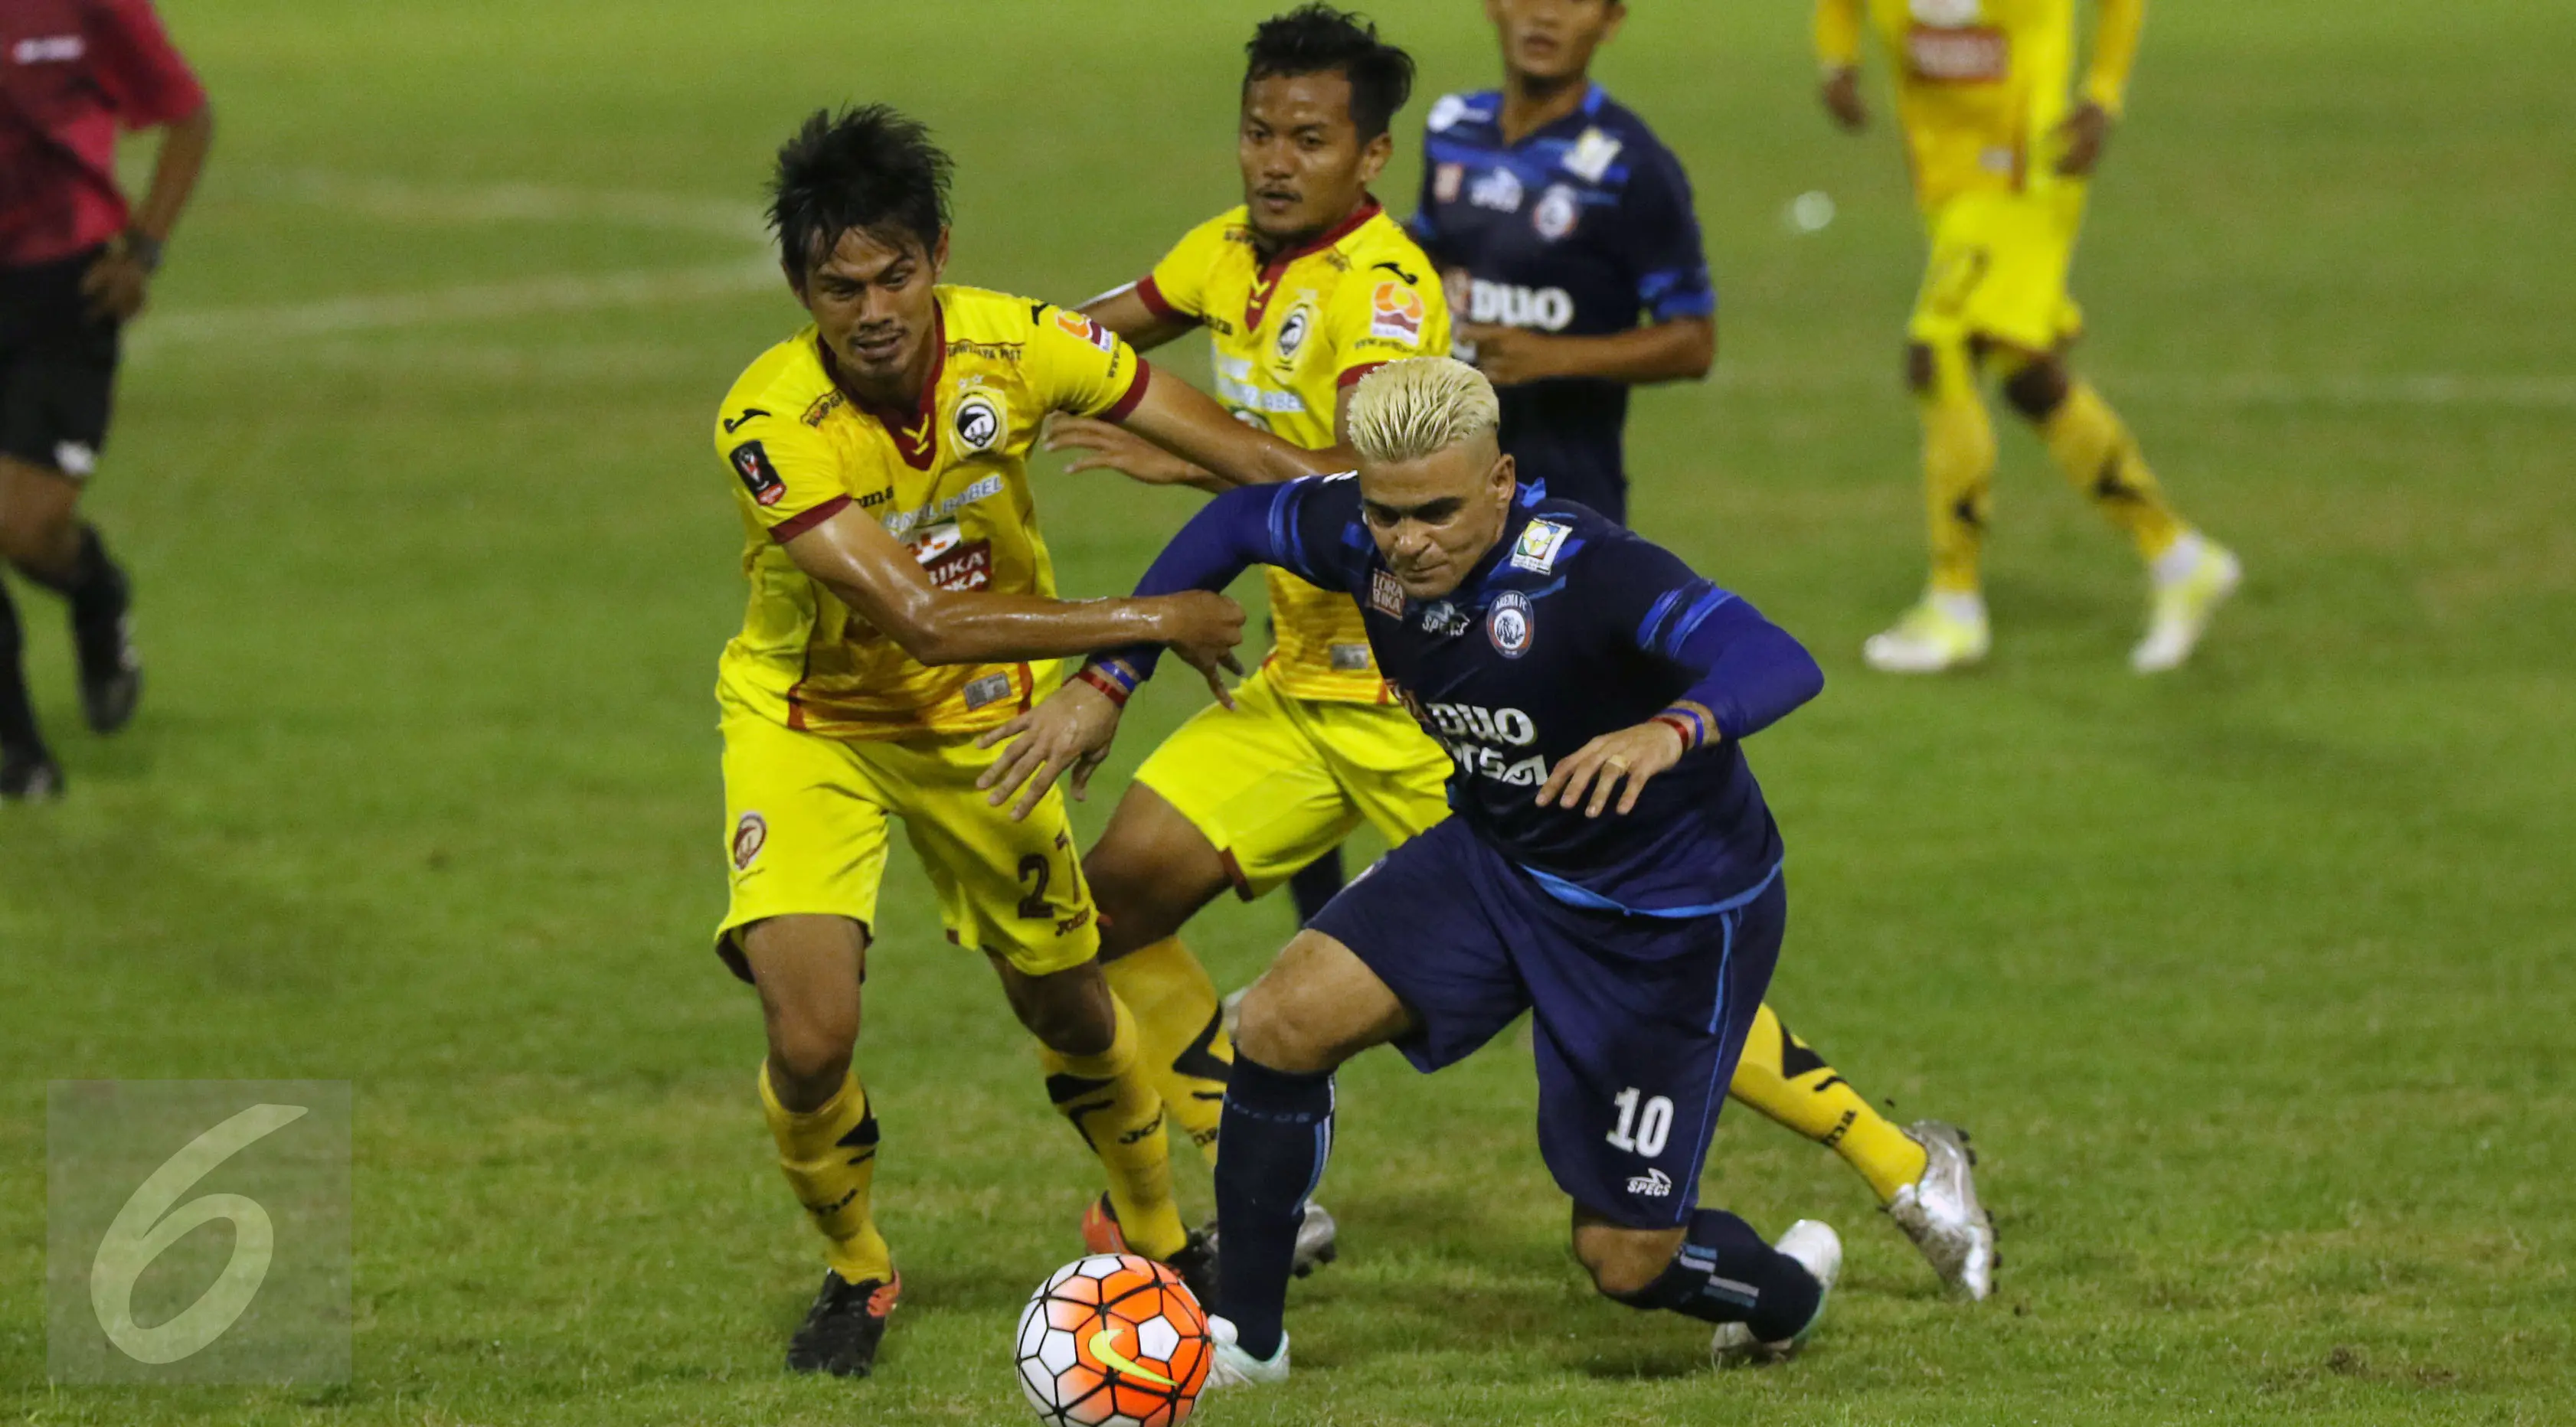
(1406, 410)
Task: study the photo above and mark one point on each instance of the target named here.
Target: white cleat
(1820, 1251)
(1940, 1212)
(1318, 1240)
(1940, 633)
(2179, 612)
(1230, 1366)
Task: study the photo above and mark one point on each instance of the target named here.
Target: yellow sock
(1783, 1078)
(1181, 1028)
(1109, 1100)
(1958, 470)
(830, 1156)
(2098, 454)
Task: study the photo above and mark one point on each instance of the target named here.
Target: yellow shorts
(1279, 781)
(805, 832)
(1998, 269)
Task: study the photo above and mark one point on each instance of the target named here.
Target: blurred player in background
(1612, 868)
(76, 263)
(1565, 231)
(902, 603)
(2001, 164)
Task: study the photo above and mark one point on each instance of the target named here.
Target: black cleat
(29, 775)
(841, 1331)
(111, 673)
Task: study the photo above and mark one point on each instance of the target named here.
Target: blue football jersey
(1583, 227)
(1570, 628)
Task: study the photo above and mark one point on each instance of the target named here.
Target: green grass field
(2253, 981)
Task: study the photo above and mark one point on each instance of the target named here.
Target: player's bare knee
(1071, 1012)
(1920, 368)
(2038, 388)
(1149, 873)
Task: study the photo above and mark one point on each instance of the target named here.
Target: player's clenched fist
(1636, 754)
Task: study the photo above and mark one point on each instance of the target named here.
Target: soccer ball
(1113, 1340)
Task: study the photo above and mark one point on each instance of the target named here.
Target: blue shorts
(1639, 1019)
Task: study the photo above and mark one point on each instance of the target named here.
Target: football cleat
(29, 775)
(842, 1330)
(1940, 1212)
(1195, 1263)
(1231, 1366)
(1929, 639)
(2179, 612)
(1318, 1240)
(111, 672)
(1819, 1250)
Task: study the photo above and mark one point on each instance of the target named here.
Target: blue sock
(1724, 1273)
(1277, 1133)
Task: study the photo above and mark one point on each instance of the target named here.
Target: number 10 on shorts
(197, 1231)
(1642, 1129)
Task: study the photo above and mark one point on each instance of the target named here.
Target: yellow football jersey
(1980, 83)
(949, 479)
(1288, 336)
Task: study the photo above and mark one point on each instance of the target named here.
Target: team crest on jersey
(1445, 182)
(751, 463)
(1077, 325)
(1396, 312)
(1947, 14)
(1507, 624)
(1557, 210)
(1540, 543)
(1386, 596)
(978, 423)
(1293, 331)
(749, 836)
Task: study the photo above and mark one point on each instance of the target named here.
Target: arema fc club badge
(1555, 215)
(1507, 624)
(978, 423)
(749, 836)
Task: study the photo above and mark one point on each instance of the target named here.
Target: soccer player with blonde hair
(1611, 867)
(2002, 154)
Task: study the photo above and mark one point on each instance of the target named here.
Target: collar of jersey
(1594, 96)
(899, 424)
(1366, 211)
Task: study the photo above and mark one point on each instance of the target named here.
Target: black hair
(869, 169)
(1315, 39)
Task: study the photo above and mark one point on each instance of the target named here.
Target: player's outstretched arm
(871, 572)
(1179, 419)
(1751, 674)
(1124, 311)
(1072, 728)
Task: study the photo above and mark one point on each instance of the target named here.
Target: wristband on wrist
(1687, 723)
(143, 248)
(1107, 686)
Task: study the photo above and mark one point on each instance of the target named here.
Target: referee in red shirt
(75, 264)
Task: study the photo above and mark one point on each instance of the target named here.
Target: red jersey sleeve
(137, 67)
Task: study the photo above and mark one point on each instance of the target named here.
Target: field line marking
(652, 287)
